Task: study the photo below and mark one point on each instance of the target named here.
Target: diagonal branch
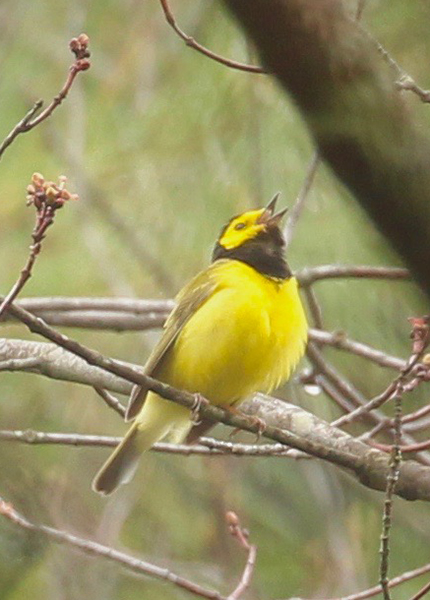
(79, 46)
(191, 42)
(131, 563)
(374, 591)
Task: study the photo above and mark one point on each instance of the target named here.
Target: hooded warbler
(238, 327)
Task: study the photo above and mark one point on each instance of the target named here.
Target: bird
(238, 327)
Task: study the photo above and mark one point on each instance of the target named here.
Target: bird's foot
(260, 424)
(253, 421)
(199, 401)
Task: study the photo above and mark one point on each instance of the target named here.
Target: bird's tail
(157, 419)
(122, 463)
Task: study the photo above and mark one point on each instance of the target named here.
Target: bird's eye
(240, 226)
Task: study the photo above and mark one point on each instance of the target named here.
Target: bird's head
(255, 238)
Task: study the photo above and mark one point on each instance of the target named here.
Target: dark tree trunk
(346, 93)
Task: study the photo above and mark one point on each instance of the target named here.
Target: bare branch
(374, 591)
(82, 304)
(79, 46)
(297, 209)
(422, 592)
(131, 563)
(306, 433)
(47, 197)
(122, 314)
(191, 42)
(339, 340)
(205, 447)
(52, 361)
(396, 387)
(407, 83)
(392, 479)
(404, 82)
(242, 537)
(111, 401)
(310, 275)
(314, 307)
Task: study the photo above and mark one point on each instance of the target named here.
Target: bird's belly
(235, 345)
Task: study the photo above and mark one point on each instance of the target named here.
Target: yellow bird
(238, 327)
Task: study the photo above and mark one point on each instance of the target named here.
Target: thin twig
(131, 563)
(314, 307)
(111, 401)
(420, 327)
(420, 336)
(47, 197)
(373, 591)
(392, 479)
(405, 449)
(341, 384)
(404, 80)
(422, 592)
(205, 447)
(407, 83)
(191, 42)
(296, 211)
(242, 537)
(79, 46)
(340, 341)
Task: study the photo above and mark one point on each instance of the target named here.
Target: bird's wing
(189, 300)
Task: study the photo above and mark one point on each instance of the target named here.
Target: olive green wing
(189, 300)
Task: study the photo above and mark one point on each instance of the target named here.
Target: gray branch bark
(285, 422)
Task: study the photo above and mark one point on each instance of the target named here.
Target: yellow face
(242, 228)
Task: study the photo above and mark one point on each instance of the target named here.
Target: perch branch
(286, 424)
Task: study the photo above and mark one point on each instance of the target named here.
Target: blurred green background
(171, 145)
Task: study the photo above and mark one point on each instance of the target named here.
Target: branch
(297, 209)
(371, 469)
(123, 315)
(242, 537)
(79, 47)
(131, 563)
(333, 70)
(310, 275)
(47, 197)
(374, 591)
(205, 447)
(339, 341)
(52, 361)
(191, 42)
(286, 424)
(398, 385)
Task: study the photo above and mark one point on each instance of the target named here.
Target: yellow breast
(248, 336)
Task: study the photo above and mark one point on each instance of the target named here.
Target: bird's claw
(260, 424)
(199, 401)
(253, 421)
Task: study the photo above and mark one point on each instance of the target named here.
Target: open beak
(269, 217)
